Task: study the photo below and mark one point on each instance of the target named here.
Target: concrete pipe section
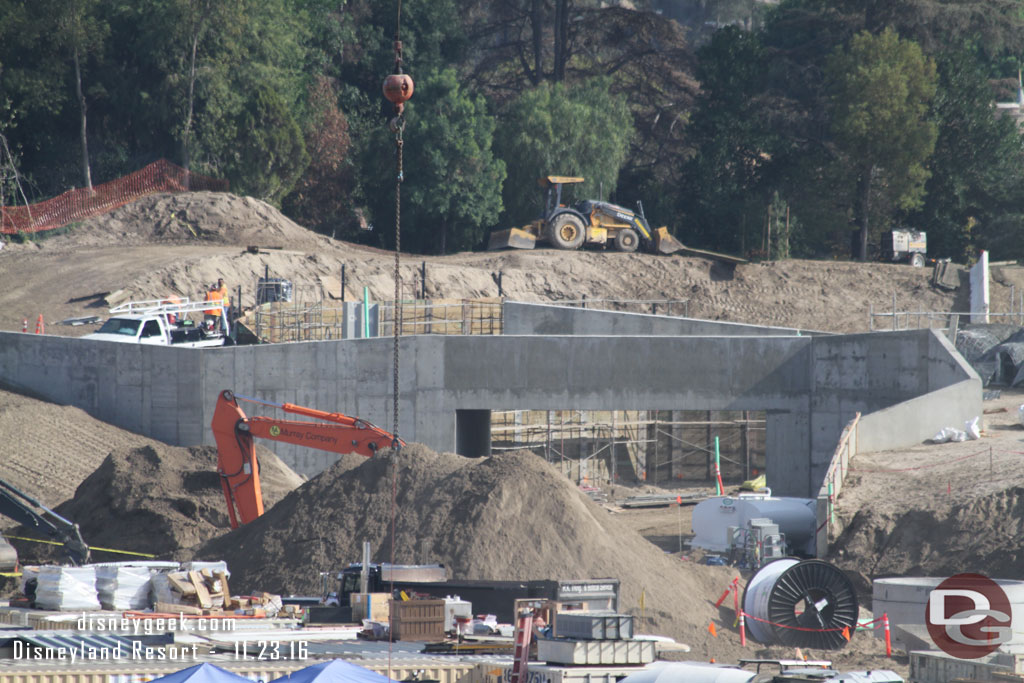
(798, 603)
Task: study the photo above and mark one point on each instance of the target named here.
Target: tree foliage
(321, 199)
(451, 189)
(975, 195)
(789, 107)
(556, 130)
(732, 141)
(882, 89)
(267, 155)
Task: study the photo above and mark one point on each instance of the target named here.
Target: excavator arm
(236, 453)
(35, 516)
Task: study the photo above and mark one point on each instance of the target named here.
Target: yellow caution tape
(10, 573)
(92, 547)
(34, 540)
(122, 552)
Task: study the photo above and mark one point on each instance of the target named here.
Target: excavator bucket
(514, 238)
(8, 556)
(665, 243)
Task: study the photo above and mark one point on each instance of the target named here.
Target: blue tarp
(334, 671)
(202, 673)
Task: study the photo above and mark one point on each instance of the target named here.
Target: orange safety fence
(159, 176)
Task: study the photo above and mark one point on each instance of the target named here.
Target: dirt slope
(46, 450)
(166, 244)
(938, 509)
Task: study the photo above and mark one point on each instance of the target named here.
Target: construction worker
(212, 315)
(222, 289)
(172, 318)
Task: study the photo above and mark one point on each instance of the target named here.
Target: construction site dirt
(179, 244)
(931, 509)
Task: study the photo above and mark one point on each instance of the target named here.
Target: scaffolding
(443, 316)
(313, 321)
(307, 318)
(667, 447)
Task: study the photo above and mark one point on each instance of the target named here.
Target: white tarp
(67, 588)
(126, 585)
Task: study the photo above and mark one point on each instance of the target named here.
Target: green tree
(974, 192)
(554, 129)
(199, 64)
(268, 155)
(882, 87)
(32, 91)
(81, 32)
(322, 197)
(732, 143)
(451, 193)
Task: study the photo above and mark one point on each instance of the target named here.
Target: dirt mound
(177, 244)
(511, 516)
(984, 535)
(189, 218)
(160, 499)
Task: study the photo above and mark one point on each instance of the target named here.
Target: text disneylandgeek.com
(243, 650)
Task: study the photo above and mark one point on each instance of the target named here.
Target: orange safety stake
(888, 640)
(720, 600)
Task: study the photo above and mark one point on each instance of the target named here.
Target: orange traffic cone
(24, 325)
(40, 325)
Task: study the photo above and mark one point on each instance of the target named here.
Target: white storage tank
(713, 517)
(689, 672)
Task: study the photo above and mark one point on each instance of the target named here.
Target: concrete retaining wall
(808, 386)
(915, 374)
(527, 318)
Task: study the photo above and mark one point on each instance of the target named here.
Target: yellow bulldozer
(585, 222)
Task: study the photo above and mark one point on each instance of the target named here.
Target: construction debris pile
(995, 351)
(204, 590)
(512, 516)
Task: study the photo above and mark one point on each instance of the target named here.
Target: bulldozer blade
(515, 238)
(665, 243)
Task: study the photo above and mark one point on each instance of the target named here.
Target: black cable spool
(809, 594)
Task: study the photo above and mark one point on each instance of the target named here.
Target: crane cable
(397, 127)
(398, 88)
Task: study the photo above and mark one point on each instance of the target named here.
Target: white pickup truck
(160, 323)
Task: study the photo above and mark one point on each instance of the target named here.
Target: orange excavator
(236, 454)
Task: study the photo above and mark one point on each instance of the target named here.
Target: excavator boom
(236, 453)
(36, 517)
